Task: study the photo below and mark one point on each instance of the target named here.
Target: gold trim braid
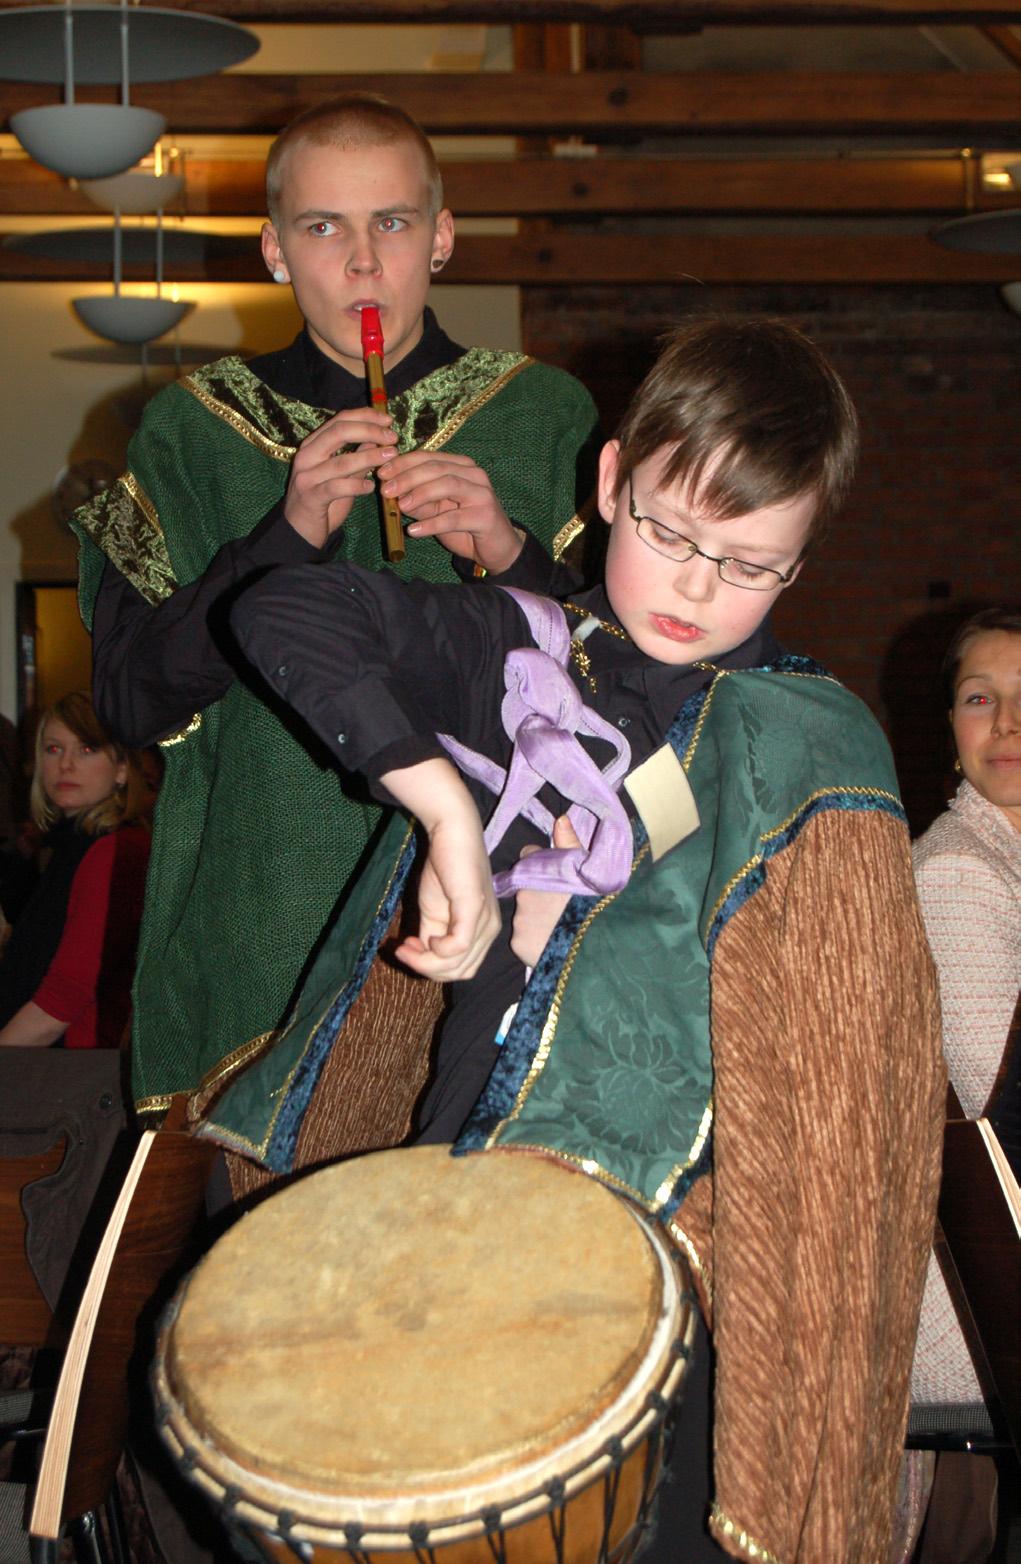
(186, 732)
(567, 534)
(785, 825)
(740, 1538)
(241, 425)
(453, 420)
(215, 1077)
(124, 524)
(681, 1238)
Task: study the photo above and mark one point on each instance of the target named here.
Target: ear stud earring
(279, 275)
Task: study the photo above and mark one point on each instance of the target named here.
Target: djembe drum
(413, 1356)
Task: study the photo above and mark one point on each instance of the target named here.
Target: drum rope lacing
(616, 1450)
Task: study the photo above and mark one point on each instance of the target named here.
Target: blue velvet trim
(283, 1144)
(794, 662)
(756, 876)
(704, 1164)
(683, 726)
(679, 733)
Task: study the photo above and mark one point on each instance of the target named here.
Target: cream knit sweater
(968, 873)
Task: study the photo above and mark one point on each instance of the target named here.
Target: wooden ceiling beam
(1007, 41)
(595, 104)
(654, 15)
(581, 259)
(548, 187)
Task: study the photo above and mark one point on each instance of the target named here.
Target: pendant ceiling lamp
(990, 233)
(133, 318)
(103, 44)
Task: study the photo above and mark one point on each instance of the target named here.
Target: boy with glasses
(731, 1014)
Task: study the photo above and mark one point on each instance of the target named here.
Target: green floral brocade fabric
(255, 837)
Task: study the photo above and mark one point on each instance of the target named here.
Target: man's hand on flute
(329, 471)
(451, 499)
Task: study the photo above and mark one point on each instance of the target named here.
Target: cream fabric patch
(662, 794)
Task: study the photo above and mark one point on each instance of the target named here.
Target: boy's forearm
(432, 791)
(457, 912)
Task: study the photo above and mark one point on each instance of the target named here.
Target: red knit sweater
(88, 983)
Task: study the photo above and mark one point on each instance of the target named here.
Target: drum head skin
(417, 1330)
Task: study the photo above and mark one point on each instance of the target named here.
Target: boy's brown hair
(753, 415)
(354, 119)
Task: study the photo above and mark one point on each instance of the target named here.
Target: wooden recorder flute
(372, 353)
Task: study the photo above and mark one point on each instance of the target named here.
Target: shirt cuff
(531, 570)
(273, 541)
(410, 751)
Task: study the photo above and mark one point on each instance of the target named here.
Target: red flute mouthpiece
(372, 332)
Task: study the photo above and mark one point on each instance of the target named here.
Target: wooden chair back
(61, 1118)
(147, 1236)
(979, 1236)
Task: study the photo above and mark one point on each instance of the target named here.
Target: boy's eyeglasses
(673, 545)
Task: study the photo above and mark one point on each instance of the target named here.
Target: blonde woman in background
(65, 977)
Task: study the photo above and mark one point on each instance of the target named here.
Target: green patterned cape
(609, 1060)
(255, 837)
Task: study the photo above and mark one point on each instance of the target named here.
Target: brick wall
(932, 530)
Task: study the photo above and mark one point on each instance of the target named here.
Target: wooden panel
(599, 102)
(745, 258)
(986, 1252)
(161, 1219)
(25, 1316)
(532, 186)
(658, 15)
(1007, 41)
(633, 259)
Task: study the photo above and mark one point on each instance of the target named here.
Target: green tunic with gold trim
(255, 837)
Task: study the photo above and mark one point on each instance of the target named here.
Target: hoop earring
(436, 265)
(959, 769)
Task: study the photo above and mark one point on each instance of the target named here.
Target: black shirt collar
(304, 372)
(757, 651)
(665, 686)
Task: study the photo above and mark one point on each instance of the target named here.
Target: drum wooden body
(411, 1354)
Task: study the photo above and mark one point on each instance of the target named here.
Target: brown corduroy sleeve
(829, 1090)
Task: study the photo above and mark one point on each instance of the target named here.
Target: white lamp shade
(120, 317)
(163, 45)
(987, 233)
(1010, 293)
(87, 140)
(133, 194)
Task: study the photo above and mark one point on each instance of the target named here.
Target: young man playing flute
(240, 467)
